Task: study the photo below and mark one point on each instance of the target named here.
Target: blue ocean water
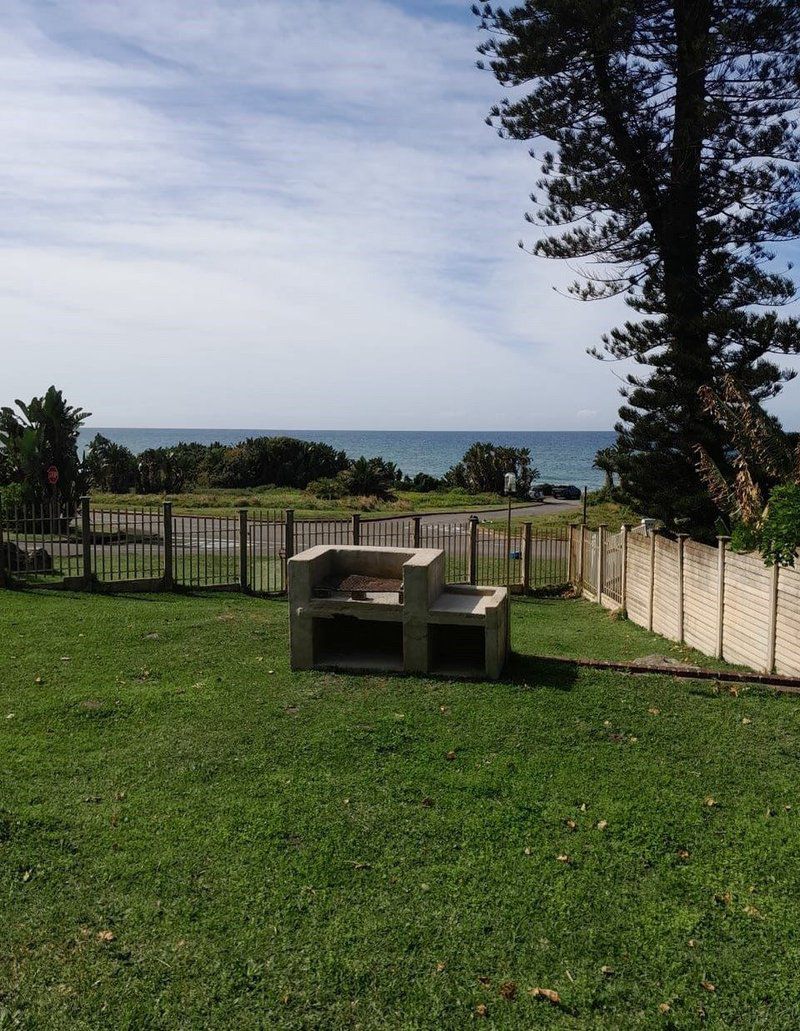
(560, 457)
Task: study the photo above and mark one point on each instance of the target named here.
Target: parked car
(535, 494)
(567, 492)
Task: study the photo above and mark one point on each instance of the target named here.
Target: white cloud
(250, 214)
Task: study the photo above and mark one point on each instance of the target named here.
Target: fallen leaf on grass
(602, 824)
(664, 1007)
(481, 1010)
(682, 853)
(571, 825)
(106, 936)
(440, 967)
(746, 721)
(654, 712)
(710, 801)
(692, 943)
(608, 971)
(723, 898)
(547, 994)
(564, 858)
(450, 756)
(709, 987)
(483, 980)
(753, 912)
(508, 990)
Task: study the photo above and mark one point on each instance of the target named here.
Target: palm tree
(46, 435)
(607, 461)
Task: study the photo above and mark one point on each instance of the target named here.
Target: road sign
(52, 476)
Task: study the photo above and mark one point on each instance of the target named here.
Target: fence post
(623, 572)
(601, 561)
(652, 579)
(243, 548)
(681, 544)
(288, 536)
(169, 565)
(472, 560)
(417, 531)
(570, 548)
(721, 544)
(86, 541)
(581, 556)
(773, 619)
(526, 559)
(356, 528)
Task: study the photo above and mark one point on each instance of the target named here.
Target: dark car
(567, 492)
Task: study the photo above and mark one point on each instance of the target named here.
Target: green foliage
(12, 495)
(44, 433)
(607, 460)
(282, 461)
(484, 466)
(331, 488)
(110, 466)
(371, 477)
(421, 483)
(670, 165)
(779, 534)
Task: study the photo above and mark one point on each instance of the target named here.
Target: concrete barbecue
(373, 608)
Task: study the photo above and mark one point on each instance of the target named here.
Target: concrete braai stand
(359, 608)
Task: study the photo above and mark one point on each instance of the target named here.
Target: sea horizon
(560, 456)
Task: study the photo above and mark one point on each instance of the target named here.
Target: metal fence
(141, 548)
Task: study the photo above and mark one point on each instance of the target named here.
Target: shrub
(330, 488)
(779, 534)
(110, 466)
(371, 477)
(484, 465)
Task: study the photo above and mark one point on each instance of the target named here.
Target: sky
(248, 213)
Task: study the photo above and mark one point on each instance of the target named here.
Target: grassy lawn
(219, 501)
(607, 513)
(191, 836)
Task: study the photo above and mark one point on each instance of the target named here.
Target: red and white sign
(52, 476)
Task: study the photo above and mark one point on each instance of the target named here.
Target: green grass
(608, 513)
(191, 836)
(220, 501)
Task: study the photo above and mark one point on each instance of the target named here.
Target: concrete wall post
(722, 543)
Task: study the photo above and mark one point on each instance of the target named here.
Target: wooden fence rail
(724, 604)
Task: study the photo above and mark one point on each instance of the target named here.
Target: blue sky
(252, 213)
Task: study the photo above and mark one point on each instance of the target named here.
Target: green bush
(331, 488)
(779, 535)
(11, 495)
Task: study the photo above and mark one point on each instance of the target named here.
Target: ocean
(560, 457)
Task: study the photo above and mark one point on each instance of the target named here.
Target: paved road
(538, 508)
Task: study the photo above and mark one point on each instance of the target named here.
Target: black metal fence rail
(152, 548)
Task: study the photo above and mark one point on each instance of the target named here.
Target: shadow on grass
(527, 672)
